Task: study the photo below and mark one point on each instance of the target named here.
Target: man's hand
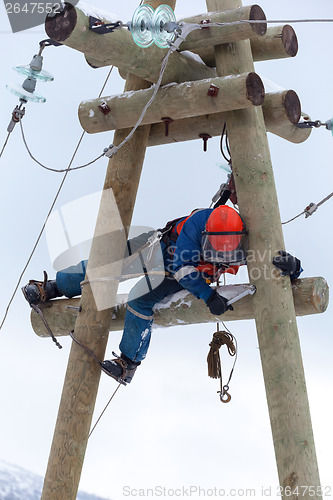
(218, 304)
(287, 264)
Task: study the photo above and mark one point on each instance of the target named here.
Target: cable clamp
(182, 31)
(17, 115)
(310, 209)
(110, 151)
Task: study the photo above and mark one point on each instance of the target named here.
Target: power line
(49, 168)
(5, 144)
(266, 21)
(310, 209)
(41, 232)
(48, 215)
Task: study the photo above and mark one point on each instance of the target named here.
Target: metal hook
(224, 395)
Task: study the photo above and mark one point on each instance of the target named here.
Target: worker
(196, 250)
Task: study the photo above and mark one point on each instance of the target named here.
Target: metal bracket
(315, 124)
(185, 29)
(213, 91)
(99, 27)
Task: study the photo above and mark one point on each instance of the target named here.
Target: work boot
(121, 368)
(36, 292)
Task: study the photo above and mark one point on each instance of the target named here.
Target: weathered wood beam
(281, 112)
(209, 37)
(274, 310)
(311, 296)
(278, 42)
(71, 27)
(175, 101)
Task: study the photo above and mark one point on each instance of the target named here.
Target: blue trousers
(139, 317)
(139, 314)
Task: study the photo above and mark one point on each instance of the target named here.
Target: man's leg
(68, 280)
(67, 283)
(138, 325)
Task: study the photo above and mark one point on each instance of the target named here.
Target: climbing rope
(221, 338)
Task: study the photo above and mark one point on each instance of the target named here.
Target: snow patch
(171, 299)
(91, 113)
(145, 333)
(192, 55)
(91, 10)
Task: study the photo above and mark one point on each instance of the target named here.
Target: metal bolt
(104, 108)
(167, 120)
(213, 90)
(205, 138)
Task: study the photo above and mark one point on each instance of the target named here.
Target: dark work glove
(288, 264)
(218, 304)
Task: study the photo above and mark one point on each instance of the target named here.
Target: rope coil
(214, 361)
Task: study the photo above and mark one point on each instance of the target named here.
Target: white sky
(168, 427)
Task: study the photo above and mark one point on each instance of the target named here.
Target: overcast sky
(168, 428)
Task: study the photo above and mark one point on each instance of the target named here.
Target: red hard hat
(224, 219)
(224, 239)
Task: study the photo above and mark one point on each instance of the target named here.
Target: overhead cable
(49, 168)
(310, 209)
(48, 215)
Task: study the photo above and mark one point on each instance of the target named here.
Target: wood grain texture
(175, 101)
(311, 296)
(278, 113)
(273, 303)
(279, 42)
(209, 37)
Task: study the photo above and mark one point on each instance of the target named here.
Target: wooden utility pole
(273, 303)
(93, 325)
(240, 107)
